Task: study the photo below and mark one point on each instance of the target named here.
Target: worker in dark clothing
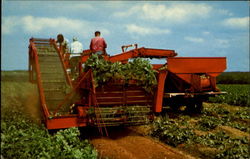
(63, 43)
(98, 44)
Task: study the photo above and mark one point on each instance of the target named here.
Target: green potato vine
(138, 69)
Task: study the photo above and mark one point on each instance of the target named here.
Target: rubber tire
(195, 106)
(175, 107)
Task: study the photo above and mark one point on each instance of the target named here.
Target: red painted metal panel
(184, 67)
(186, 77)
(197, 64)
(39, 81)
(143, 52)
(205, 83)
(65, 122)
(160, 53)
(160, 90)
(122, 56)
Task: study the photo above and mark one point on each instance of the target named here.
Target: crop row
(237, 94)
(20, 138)
(192, 134)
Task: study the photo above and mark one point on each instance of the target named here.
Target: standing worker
(75, 47)
(63, 44)
(75, 54)
(98, 44)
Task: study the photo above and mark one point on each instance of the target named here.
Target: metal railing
(35, 64)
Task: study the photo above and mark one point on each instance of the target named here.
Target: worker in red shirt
(98, 44)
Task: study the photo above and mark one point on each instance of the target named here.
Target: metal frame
(34, 60)
(51, 121)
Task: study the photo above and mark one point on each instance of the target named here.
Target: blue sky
(191, 28)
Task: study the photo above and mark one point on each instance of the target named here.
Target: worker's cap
(74, 38)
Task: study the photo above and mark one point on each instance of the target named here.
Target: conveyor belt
(52, 76)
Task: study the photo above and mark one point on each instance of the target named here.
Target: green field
(220, 131)
(22, 134)
(234, 78)
(237, 94)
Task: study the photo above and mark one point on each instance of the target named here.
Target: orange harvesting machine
(67, 102)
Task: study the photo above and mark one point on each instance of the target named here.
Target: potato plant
(20, 138)
(228, 147)
(190, 133)
(237, 94)
(217, 115)
(170, 133)
(139, 69)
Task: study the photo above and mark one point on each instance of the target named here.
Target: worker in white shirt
(75, 47)
(75, 54)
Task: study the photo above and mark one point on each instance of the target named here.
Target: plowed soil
(124, 143)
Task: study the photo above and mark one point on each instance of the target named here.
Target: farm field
(23, 136)
(221, 131)
(237, 94)
(234, 78)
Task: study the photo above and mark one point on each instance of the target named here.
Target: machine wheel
(175, 107)
(194, 106)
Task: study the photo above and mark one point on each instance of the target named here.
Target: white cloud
(34, 25)
(194, 39)
(37, 24)
(140, 30)
(180, 12)
(237, 22)
(9, 24)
